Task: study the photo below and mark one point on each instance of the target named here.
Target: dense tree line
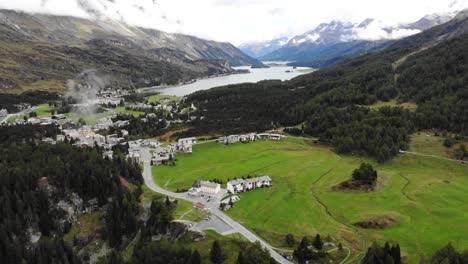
(255, 254)
(391, 254)
(121, 217)
(333, 101)
(9, 101)
(355, 129)
(26, 201)
(307, 251)
(27, 133)
(160, 217)
(385, 255)
(449, 255)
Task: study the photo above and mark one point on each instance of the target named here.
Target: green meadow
(393, 103)
(425, 197)
(158, 97)
(92, 118)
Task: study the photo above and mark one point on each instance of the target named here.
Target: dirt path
(403, 190)
(432, 156)
(182, 216)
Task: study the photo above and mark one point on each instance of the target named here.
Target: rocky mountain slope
(333, 42)
(43, 51)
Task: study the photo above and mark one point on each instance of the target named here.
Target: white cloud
(241, 20)
(378, 30)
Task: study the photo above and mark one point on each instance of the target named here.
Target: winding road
(213, 207)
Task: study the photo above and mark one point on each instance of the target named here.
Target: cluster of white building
(231, 139)
(59, 120)
(162, 155)
(243, 185)
(201, 187)
(144, 106)
(86, 136)
(106, 123)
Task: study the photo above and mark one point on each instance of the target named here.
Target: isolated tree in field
(290, 240)
(340, 247)
(216, 254)
(196, 258)
(222, 206)
(318, 243)
(448, 142)
(365, 174)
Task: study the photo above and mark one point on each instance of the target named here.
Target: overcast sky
(239, 21)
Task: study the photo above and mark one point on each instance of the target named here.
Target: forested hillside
(39, 181)
(429, 69)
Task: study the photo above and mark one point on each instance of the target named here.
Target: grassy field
(88, 223)
(91, 119)
(425, 195)
(42, 110)
(159, 97)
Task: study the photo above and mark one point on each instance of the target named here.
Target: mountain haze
(262, 48)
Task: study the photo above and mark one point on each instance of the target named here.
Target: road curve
(149, 181)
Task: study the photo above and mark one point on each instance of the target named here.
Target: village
(161, 153)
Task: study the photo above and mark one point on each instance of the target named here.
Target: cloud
(239, 21)
(377, 30)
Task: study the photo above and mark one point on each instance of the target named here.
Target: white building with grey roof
(243, 185)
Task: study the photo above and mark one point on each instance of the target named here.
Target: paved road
(213, 206)
(4, 120)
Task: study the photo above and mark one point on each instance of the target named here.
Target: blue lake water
(255, 75)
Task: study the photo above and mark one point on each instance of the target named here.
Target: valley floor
(422, 198)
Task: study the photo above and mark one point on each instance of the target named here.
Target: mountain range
(330, 43)
(43, 51)
(262, 48)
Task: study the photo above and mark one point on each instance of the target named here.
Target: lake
(255, 75)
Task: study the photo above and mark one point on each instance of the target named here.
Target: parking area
(212, 222)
